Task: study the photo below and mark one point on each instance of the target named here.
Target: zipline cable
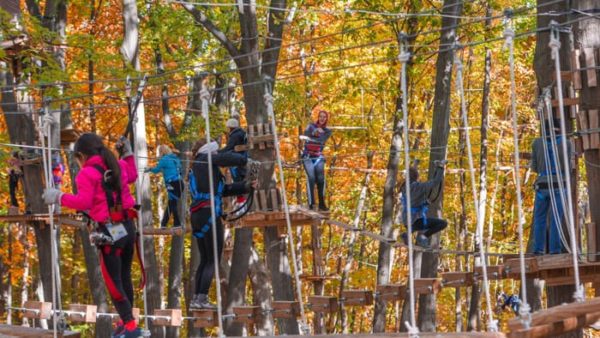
(404, 57)
(509, 35)
(492, 324)
(555, 45)
(205, 97)
(268, 98)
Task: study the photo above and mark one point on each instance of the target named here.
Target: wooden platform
(557, 320)
(554, 269)
(10, 331)
(298, 215)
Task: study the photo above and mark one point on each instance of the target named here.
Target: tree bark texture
(439, 141)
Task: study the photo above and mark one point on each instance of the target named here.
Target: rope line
(492, 324)
(555, 45)
(268, 98)
(509, 35)
(404, 57)
(205, 97)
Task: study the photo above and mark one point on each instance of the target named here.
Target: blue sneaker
(135, 333)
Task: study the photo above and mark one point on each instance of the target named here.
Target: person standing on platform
(315, 136)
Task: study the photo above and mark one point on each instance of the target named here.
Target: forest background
(341, 56)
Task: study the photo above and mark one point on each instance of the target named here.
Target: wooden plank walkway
(13, 331)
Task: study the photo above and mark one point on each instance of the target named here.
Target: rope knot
(492, 325)
(268, 98)
(204, 94)
(509, 35)
(579, 295)
(525, 314)
(413, 331)
(404, 57)
(554, 43)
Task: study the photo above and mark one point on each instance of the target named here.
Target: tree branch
(202, 19)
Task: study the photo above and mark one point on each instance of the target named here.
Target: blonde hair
(164, 149)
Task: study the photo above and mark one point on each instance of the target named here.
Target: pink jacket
(90, 195)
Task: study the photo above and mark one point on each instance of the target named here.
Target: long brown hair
(90, 144)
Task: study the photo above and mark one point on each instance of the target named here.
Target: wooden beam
(590, 64)
(567, 101)
(457, 279)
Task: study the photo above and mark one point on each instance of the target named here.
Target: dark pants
(315, 172)
(433, 226)
(115, 262)
(13, 184)
(206, 268)
(174, 193)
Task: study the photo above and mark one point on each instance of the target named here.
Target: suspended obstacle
(14, 331)
(554, 269)
(259, 136)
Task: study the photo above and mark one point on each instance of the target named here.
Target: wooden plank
(567, 101)
(457, 279)
(82, 313)
(557, 328)
(513, 266)
(167, 317)
(575, 64)
(592, 249)
(566, 76)
(582, 119)
(285, 309)
(250, 135)
(427, 285)
(494, 272)
(391, 292)
(247, 314)
(323, 304)
(263, 200)
(593, 123)
(274, 200)
(37, 310)
(205, 318)
(14, 331)
(357, 298)
(558, 313)
(590, 64)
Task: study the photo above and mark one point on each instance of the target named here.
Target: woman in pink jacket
(103, 192)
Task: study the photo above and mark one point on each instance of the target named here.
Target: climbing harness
(418, 210)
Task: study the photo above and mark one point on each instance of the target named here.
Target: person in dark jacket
(200, 209)
(316, 134)
(15, 172)
(548, 164)
(169, 165)
(420, 193)
(237, 136)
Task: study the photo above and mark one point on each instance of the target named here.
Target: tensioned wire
(297, 75)
(205, 65)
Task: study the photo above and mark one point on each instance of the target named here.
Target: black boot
(321, 191)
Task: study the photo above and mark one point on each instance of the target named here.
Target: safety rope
(554, 44)
(509, 34)
(404, 57)
(492, 324)
(205, 97)
(546, 135)
(268, 98)
(45, 122)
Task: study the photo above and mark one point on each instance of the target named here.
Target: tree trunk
(259, 277)
(439, 140)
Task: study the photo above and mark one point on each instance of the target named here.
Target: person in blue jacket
(316, 134)
(170, 167)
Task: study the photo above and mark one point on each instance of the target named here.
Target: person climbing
(15, 172)
(315, 136)
(200, 209)
(420, 194)
(103, 191)
(548, 166)
(169, 165)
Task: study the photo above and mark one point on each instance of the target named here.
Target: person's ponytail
(113, 180)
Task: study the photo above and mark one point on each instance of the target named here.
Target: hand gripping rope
(46, 121)
(270, 112)
(555, 46)
(205, 97)
(404, 57)
(492, 324)
(509, 34)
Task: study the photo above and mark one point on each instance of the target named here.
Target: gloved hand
(52, 196)
(124, 147)
(440, 164)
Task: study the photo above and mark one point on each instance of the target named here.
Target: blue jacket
(170, 166)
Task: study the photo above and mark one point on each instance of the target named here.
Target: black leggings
(174, 193)
(13, 184)
(206, 268)
(115, 261)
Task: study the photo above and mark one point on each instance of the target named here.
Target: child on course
(170, 167)
(201, 211)
(103, 191)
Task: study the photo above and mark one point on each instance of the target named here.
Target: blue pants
(542, 211)
(315, 172)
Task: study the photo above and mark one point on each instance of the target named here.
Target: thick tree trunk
(261, 287)
(439, 140)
